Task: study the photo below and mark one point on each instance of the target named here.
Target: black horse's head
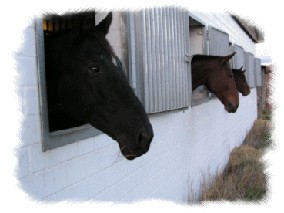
(92, 87)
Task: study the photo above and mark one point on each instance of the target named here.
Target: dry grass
(244, 177)
(259, 136)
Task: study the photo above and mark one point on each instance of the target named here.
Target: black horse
(90, 86)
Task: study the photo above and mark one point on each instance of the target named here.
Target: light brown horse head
(241, 82)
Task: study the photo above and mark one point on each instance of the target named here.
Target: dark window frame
(52, 140)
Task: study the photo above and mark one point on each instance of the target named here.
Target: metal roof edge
(252, 31)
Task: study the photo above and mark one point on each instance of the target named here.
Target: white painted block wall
(224, 22)
(187, 144)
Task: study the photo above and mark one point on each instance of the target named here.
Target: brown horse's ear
(103, 26)
(225, 59)
(239, 70)
(243, 71)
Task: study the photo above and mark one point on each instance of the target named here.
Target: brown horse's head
(215, 73)
(241, 82)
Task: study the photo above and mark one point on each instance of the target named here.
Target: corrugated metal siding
(224, 22)
(159, 41)
(257, 67)
(238, 57)
(218, 45)
(218, 42)
(250, 70)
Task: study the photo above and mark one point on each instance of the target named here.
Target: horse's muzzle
(246, 93)
(133, 150)
(231, 108)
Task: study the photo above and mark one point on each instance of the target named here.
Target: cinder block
(67, 152)
(55, 179)
(115, 174)
(30, 130)
(135, 179)
(98, 183)
(28, 39)
(22, 169)
(183, 198)
(157, 120)
(200, 127)
(101, 159)
(82, 191)
(51, 157)
(31, 103)
(69, 193)
(26, 70)
(94, 163)
(103, 140)
(86, 146)
(110, 194)
(20, 98)
(75, 170)
(141, 192)
(37, 158)
(160, 193)
(159, 134)
(33, 186)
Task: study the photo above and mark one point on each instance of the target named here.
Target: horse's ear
(243, 71)
(103, 26)
(227, 58)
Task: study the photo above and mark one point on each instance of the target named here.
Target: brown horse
(241, 82)
(215, 73)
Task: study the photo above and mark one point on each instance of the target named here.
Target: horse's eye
(94, 69)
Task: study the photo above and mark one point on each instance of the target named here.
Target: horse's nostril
(230, 107)
(143, 140)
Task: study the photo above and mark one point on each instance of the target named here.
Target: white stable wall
(188, 144)
(224, 22)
